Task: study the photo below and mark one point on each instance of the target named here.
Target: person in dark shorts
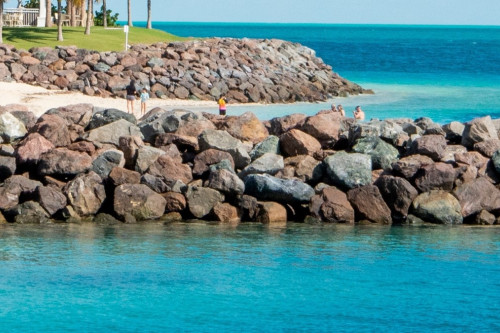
(222, 105)
(131, 94)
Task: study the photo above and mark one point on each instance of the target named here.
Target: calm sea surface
(198, 277)
(251, 278)
(445, 73)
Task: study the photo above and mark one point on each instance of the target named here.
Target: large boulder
(85, 194)
(398, 194)
(408, 166)
(437, 207)
(130, 145)
(138, 201)
(64, 162)
(13, 188)
(119, 176)
(369, 204)
(11, 128)
(303, 167)
(383, 154)
(225, 212)
(433, 146)
(109, 116)
(331, 205)
(170, 170)
(436, 176)
(203, 160)
(349, 170)
(246, 127)
(478, 130)
(175, 202)
(51, 199)
(281, 125)
(201, 200)
(325, 127)
(7, 167)
(226, 181)
(77, 114)
(32, 148)
(271, 144)
(271, 212)
(106, 161)
(54, 128)
(222, 140)
(296, 142)
(268, 163)
(266, 187)
(111, 133)
(146, 156)
(477, 195)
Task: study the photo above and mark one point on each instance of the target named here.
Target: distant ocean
(443, 72)
(204, 277)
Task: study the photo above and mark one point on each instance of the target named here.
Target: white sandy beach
(38, 100)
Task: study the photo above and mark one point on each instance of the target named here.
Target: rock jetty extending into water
(84, 163)
(245, 70)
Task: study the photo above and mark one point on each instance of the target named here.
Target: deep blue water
(445, 73)
(252, 278)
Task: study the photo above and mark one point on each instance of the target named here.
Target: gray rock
(222, 140)
(106, 161)
(478, 130)
(222, 165)
(201, 200)
(111, 133)
(146, 156)
(138, 201)
(271, 144)
(226, 181)
(382, 153)
(349, 170)
(85, 194)
(268, 163)
(109, 116)
(7, 167)
(496, 160)
(29, 212)
(266, 187)
(11, 128)
(155, 183)
(437, 207)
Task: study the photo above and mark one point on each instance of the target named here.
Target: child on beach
(222, 105)
(144, 99)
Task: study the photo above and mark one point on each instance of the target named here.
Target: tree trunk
(48, 13)
(59, 21)
(1, 22)
(71, 11)
(89, 17)
(82, 11)
(129, 6)
(104, 14)
(149, 26)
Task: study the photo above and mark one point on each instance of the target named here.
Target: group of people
(132, 94)
(357, 113)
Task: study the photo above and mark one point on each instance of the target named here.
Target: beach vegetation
(108, 20)
(100, 40)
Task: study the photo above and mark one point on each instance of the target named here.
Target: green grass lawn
(100, 39)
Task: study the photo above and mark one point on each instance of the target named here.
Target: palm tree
(1, 21)
(149, 26)
(48, 13)
(89, 16)
(59, 21)
(104, 14)
(129, 7)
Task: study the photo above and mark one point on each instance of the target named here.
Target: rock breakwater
(245, 70)
(84, 163)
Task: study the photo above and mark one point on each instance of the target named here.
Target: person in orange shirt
(222, 105)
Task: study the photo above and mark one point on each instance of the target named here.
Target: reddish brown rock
(246, 127)
(120, 176)
(129, 145)
(32, 148)
(281, 125)
(64, 162)
(271, 212)
(296, 142)
(225, 212)
(472, 158)
(203, 160)
(430, 145)
(437, 176)
(139, 202)
(477, 195)
(487, 147)
(53, 128)
(409, 165)
(171, 170)
(398, 194)
(369, 204)
(175, 202)
(83, 147)
(85, 194)
(331, 205)
(324, 127)
(51, 199)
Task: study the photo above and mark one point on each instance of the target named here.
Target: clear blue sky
(460, 12)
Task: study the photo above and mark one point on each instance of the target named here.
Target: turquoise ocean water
(197, 277)
(445, 73)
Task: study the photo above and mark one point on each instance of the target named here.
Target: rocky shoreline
(245, 70)
(82, 163)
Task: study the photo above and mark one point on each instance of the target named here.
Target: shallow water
(251, 277)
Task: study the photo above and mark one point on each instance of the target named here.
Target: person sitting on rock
(340, 109)
(334, 108)
(358, 113)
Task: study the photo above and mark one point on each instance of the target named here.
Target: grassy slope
(100, 39)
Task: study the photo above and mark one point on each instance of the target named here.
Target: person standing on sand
(222, 105)
(131, 94)
(144, 99)
(358, 113)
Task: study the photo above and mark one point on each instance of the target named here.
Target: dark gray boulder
(349, 170)
(266, 187)
(382, 153)
(109, 116)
